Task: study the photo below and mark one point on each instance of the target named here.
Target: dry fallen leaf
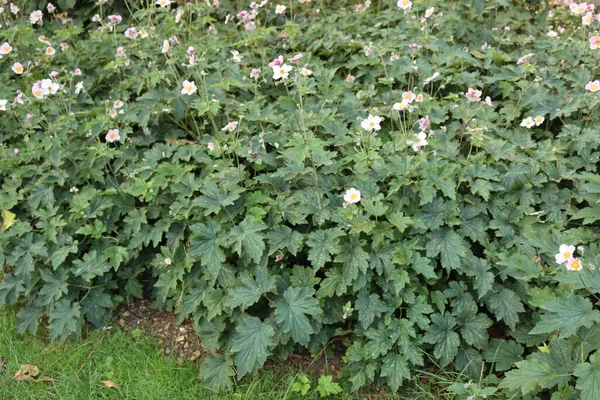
(110, 384)
(29, 372)
(26, 373)
(8, 219)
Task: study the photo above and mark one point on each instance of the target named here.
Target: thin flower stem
(586, 287)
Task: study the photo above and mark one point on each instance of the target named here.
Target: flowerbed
(381, 178)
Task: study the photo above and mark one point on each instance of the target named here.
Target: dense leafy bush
(272, 205)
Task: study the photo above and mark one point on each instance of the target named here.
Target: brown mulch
(177, 339)
(182, 341)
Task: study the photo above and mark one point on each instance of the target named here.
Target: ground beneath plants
(182, 341)
(174, 338)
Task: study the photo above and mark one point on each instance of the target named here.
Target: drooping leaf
(251, 289)
(474, 325)
(566, 315)
(503, 353)
(60, 255)
(28, 318)
(469, 362)
(54, 288)
(251, 342)
(588, 378)
(96, 307)
(449, 244)
(332, 284)
(115, 255)
(248, 242)
(441, 333)
(10, 289)
(217, 371)
(214, 198)
(395, 368)
(507, 306)
(23, 256)
(65, 320)
(284, 237)
(90, 266)
(483, 278)
(205, 244)
(292, 313)
(323, 244)
(369, 307)
(528, 375)
(353, 258)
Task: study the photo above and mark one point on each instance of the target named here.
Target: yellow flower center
(353, 196)
(576, 265)
(566, 254)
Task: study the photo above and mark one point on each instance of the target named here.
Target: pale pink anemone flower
(473, 95)
(421, 141)
(409, 97)
(276, 62)
(565, 252)
(574, 264)
(371, 123)
(113, 136)
(595, 42)
(255, 73)
(281, 72)
(593, 86)
(352, 196)
(131, 33)
(296, 58)
(528, 123)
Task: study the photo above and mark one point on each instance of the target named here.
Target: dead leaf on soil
(110, 384)
(26, 373)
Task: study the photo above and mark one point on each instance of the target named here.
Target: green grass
(137, 365)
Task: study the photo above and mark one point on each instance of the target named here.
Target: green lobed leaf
(205, 243)
(323, 244)
(503, 353)
(217, 371)
(588, 378)
(506, 306)
(90, 266)
(284, 237)
(441, 333)
(251, 289)
(65, 320)
(28, 318)
(247, 241)
(250, 344)
(449, 244)
(292, 313)
(395, 368)
(326, 387)
(566, 315)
